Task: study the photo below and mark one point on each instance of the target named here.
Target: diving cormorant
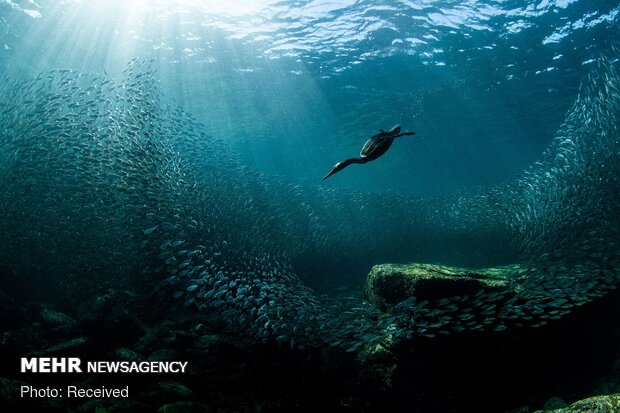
(374, 147)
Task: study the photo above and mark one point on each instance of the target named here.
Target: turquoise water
(485, 84)
(178, 148)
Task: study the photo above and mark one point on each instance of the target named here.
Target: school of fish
(101, 180)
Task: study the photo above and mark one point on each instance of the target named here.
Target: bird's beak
(333, 171)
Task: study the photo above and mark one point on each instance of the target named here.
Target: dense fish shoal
(103, 181)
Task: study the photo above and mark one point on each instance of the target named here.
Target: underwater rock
(389, 284)
(596, 404)
(554, 403)
(184, 407)
(376, 366)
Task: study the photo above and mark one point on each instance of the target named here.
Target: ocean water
(161, 190)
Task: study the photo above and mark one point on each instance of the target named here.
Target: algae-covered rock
(597, 404)
(554, 403)
(389, 284)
